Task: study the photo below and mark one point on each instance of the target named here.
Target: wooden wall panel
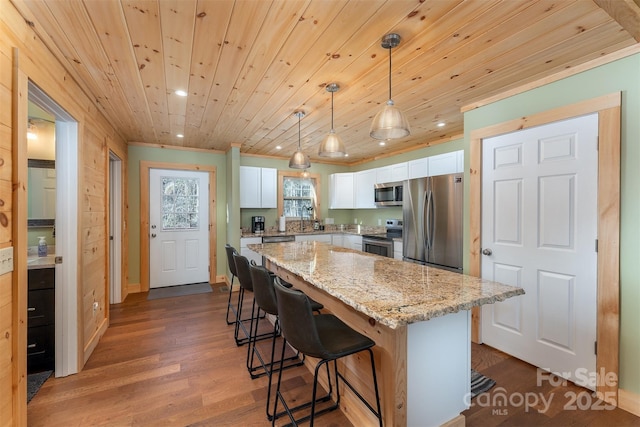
(24, 54)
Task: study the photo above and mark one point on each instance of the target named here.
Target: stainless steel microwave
(389, 194)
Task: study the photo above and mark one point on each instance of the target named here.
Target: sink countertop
(393, 292)
(35, 262)
(363, 230)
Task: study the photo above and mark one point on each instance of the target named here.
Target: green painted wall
(620, 76)
(136, 154)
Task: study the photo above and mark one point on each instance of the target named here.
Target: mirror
(41, 209)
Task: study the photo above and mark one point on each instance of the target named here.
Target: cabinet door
(384, 175)
(397, 250)
(460, 161)
(443, 164)
(325, 238)
(419, 168)
(337, 240)
(355, 242)
(269, 186)
(250, 191)
(341, 190)
(399, 172)
(365, 181)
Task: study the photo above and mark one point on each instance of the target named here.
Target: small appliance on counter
(257, 224)
(282, 223)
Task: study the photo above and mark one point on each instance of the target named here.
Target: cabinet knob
(31, 309)
(31, 346)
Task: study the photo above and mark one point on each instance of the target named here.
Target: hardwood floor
(173, 362)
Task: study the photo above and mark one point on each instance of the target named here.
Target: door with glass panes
(178, 227)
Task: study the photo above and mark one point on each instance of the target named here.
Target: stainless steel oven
(377, 245)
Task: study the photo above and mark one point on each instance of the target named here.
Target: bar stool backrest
(242, 272)
(232, 264)
(297, 321)
(263, 290)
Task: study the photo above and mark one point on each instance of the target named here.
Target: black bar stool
(265, 297)
(232, 268)
(322, 336)
(244, 277)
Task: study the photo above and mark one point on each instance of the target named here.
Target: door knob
(486, 251)
(153, 235)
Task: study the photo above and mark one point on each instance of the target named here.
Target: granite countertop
(393, 292)
(35, 262)
(368, 230)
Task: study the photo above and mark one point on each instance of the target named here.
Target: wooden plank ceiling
(248, 65)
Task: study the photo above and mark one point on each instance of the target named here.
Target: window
(180, 203)
(299, 195)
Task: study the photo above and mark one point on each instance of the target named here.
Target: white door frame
(66, 274)
(608, 303)
(115, 228)
(145, 166)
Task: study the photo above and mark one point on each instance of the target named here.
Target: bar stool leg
(229, 305)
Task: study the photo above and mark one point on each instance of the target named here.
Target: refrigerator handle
(429, 220)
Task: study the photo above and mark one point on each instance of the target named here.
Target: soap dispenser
(42, 246)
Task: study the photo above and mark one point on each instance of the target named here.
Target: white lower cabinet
(353, 241)
(246, 252)
(325, 238)
(397, 249)
(337, 240)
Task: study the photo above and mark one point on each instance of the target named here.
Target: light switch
(6, 260)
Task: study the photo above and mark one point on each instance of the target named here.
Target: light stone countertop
(393, 292)
(35, 262)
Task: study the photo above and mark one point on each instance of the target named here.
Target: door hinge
(595, 348)
(596, 245)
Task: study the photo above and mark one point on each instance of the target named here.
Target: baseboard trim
(629, 401)
(458, 421)
(93, 342)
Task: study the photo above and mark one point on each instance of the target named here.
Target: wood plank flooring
(173, 362)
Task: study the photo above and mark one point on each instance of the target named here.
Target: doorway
(66, 232)
(608, 259)
(539, 207)
(179, 232)
(145, 224)
(115, 229)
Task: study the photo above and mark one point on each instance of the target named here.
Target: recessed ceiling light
(180, 135)
(441, 124)
(181, 93)
(382, 143)
(278, 147)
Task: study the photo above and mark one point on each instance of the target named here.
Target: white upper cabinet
(383, 175)
(443, 164)
(363, 189)
(341, 186)
(258, 187)
(399, 172)
(418, 168)
(460, 161)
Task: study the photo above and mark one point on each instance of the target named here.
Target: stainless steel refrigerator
(432, 221)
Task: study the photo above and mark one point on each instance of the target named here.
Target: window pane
(180, 203)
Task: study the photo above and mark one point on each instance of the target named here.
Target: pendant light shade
(332, 145)
(390, 122)
(299, 160)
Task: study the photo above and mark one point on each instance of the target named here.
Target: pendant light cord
(299, 118)
(331, 110)
(390, 72)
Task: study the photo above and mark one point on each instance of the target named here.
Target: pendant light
(299, 160)
(390, 122)
(331, 145)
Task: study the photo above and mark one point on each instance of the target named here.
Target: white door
(179, 227)
(539, 210)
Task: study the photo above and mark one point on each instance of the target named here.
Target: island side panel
(439, 367)
(390, 353)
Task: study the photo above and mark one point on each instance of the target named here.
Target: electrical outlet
(6, 260)
(95, 306)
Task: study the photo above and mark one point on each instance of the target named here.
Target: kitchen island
(418, 316)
